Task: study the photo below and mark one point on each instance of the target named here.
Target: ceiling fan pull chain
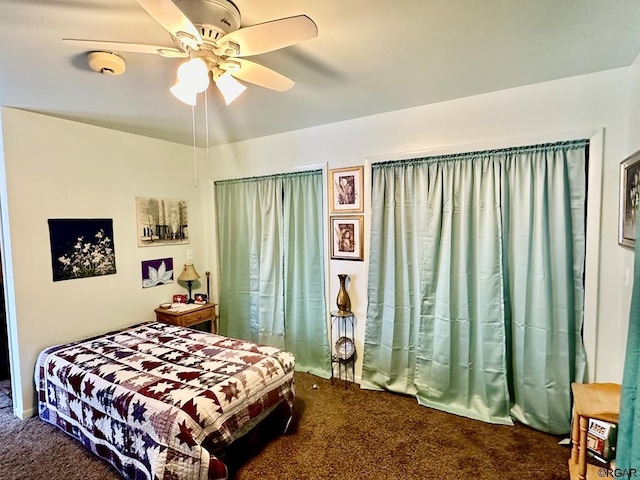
(206, 120)
(195, 155)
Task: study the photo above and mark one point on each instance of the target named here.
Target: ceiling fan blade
(260, 75)
(269, 36)
(173, 20)
(169, 52)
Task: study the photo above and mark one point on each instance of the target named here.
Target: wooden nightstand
(600, 401)
(188, 318)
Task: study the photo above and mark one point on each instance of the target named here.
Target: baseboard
(29, 412)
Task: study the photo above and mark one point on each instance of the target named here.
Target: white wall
(61, 169)
(553, 110)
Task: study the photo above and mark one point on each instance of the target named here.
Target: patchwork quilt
(157, 401)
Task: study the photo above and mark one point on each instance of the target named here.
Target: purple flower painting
(157, 272)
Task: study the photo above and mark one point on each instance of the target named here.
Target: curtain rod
(265, 177)
(541, 147)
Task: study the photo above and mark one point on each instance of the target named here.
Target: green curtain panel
(250, 239)
(475, 282)
(270, 246)
(544, 205)
(461, 345)
(628, 447)
(304, 280)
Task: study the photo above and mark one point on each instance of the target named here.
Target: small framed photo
(346, 238)
(200, 298)
(179, 299)
(346, 189)
(629, 200)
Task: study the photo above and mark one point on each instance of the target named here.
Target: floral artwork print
(81, 248)
(157, 272)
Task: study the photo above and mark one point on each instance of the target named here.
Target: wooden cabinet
(190, 317)
(590, 400)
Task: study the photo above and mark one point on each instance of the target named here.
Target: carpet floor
(336, 433)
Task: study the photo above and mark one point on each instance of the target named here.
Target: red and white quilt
(156, 400)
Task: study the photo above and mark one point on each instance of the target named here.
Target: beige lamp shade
(189, 273)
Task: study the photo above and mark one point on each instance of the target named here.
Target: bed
(158, 401)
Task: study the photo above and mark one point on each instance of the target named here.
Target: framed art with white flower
(157, 272)
(81, 248)
(162, 221)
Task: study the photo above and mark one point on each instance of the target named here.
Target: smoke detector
(107, 63)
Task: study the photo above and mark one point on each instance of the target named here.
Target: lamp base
(190, 300)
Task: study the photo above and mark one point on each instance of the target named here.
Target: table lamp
(189, 275)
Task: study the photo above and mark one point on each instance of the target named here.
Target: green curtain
(271, 257)
(304, 281)
(475, 282)
(250, 239)
(628, 447)
(544, 211)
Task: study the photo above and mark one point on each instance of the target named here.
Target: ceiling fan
(208, 33)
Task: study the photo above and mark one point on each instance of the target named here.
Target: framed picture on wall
(162, 221)
(346, 238)
(346, 189)
(157, 272)
(629, 200)
(81, 248)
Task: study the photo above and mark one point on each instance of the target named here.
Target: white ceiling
(370, 56)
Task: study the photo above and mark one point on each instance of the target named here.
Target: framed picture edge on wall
(339, 226)
(346, 189)
(162, 221)
(81, 248)
(629, 199)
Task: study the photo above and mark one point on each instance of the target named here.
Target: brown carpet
(5, 387)
(336, 434)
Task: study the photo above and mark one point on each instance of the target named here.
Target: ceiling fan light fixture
(229, 87)
(183, 93)
(211, 45)
(194, 74)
